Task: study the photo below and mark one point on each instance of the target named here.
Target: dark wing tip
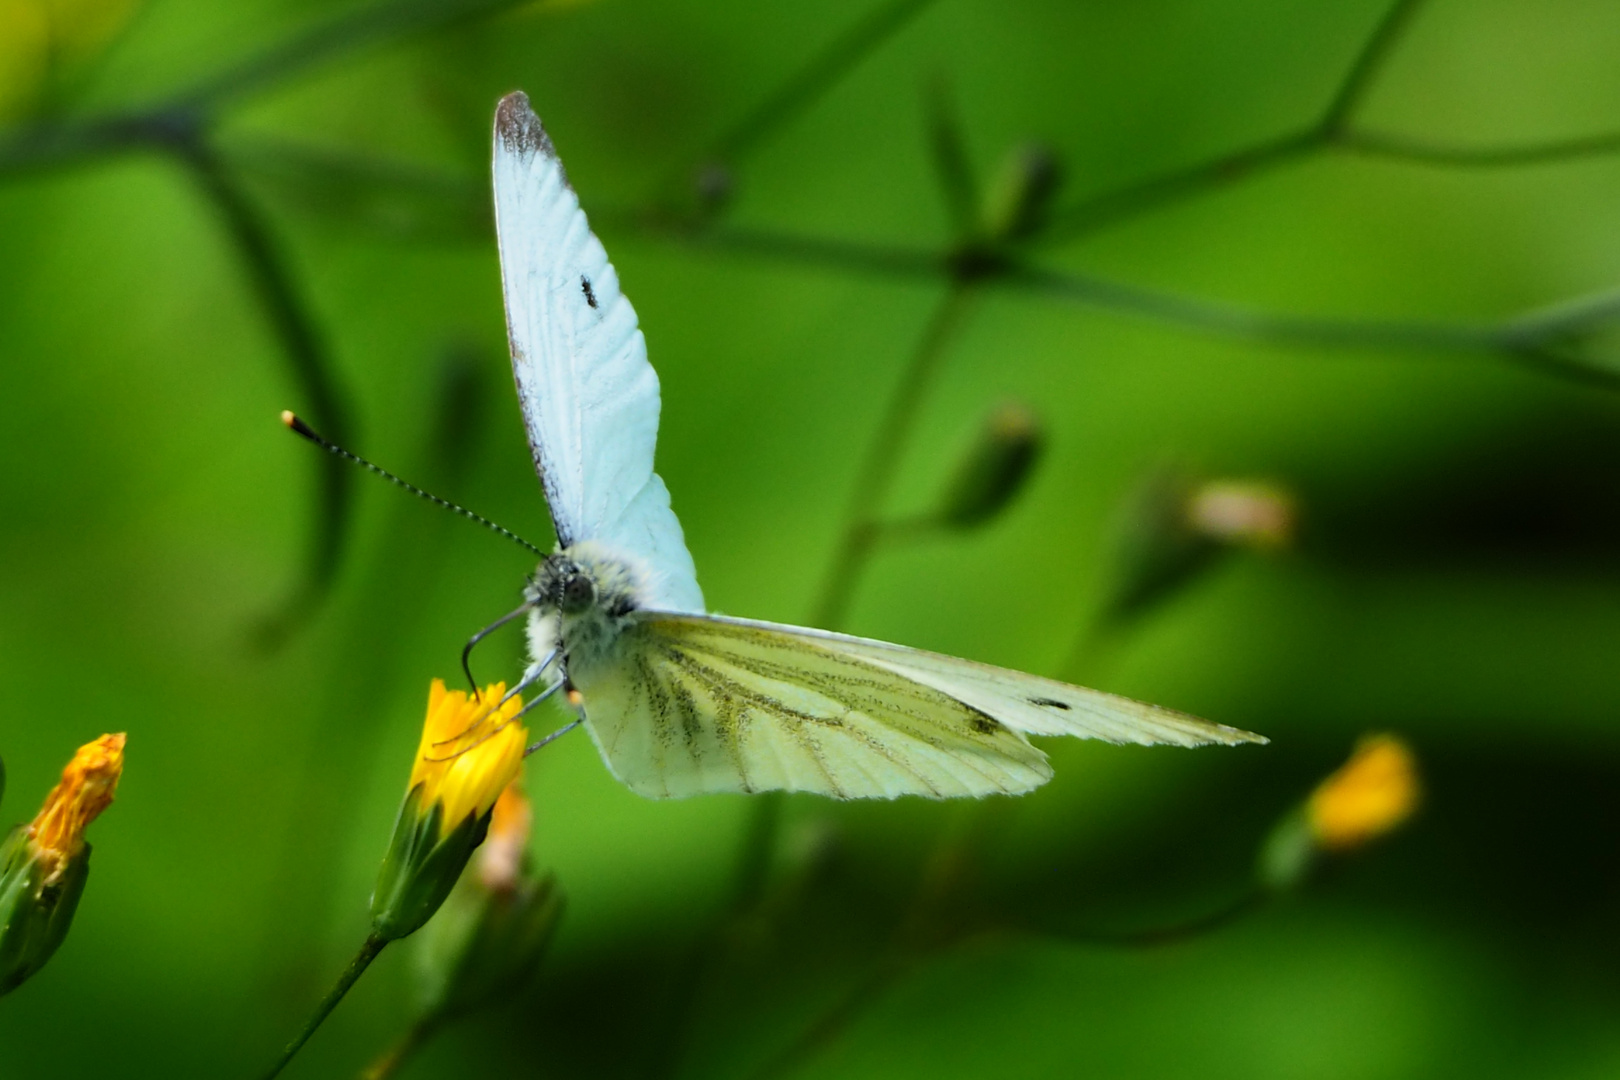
(518, 129)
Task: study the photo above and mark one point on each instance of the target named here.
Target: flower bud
(1243, 513)
(1176, 527)
(1370, 795)
(995, 469)
(488, 941)
(1021, 195)
(714, 185)
(44, 865)
(470, 751)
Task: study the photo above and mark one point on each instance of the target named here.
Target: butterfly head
(582, 598)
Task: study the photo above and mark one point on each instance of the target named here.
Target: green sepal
(1288, 854)
(1156, 552)
(994, 469)
(486, 945)
(34, 915)
(421, 866)
(1020, 196)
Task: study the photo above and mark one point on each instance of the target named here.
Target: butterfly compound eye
(578, 593)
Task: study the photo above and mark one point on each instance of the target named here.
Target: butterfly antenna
(301, 428)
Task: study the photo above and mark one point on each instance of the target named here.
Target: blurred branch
(311, 367)
(841, 255)
(1367, 65)
(1534, 339)
(175, 119)
(340, 36)
(951, 164)
(1245, 904)
(862, 530)
(932, 927)
(1421, 152)
(1099, 211)
(820, 74)
(388, 196)
(862, 526)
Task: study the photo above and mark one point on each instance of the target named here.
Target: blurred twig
(934, 924)
(1538, 338)
(1326, 130)
(1421, 152)
(340, 36)
(862, 521)
(819, 74)
(301, 343)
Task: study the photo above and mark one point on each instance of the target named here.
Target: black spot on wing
(982, 723)
(1050, 703)
(585, 286)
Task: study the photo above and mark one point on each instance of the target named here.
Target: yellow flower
(87, 787)
(1372, 793)
(470, 752)
(44, 865)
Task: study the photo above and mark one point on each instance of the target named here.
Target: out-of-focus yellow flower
(470, 751)
(1372, 793)
(500, 860)
(86, 789)
(1250, 512)
(44, 865)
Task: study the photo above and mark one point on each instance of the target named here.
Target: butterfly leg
(532, 676)
(574, 698)
(466, 652)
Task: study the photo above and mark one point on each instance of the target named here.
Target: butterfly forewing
(1037, 706)
(589, 396)
(692, 704)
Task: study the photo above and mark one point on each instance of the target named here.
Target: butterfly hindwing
(691, 704)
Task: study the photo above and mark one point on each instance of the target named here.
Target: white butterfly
(679, 701)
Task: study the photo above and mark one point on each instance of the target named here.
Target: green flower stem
(368, 952)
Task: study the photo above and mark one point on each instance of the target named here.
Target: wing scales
(590, 398)
(692, 704)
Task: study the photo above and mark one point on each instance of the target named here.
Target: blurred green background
(1454, 578)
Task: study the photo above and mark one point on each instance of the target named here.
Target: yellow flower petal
(470, 751)
(86, 789)
(1372, 793)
